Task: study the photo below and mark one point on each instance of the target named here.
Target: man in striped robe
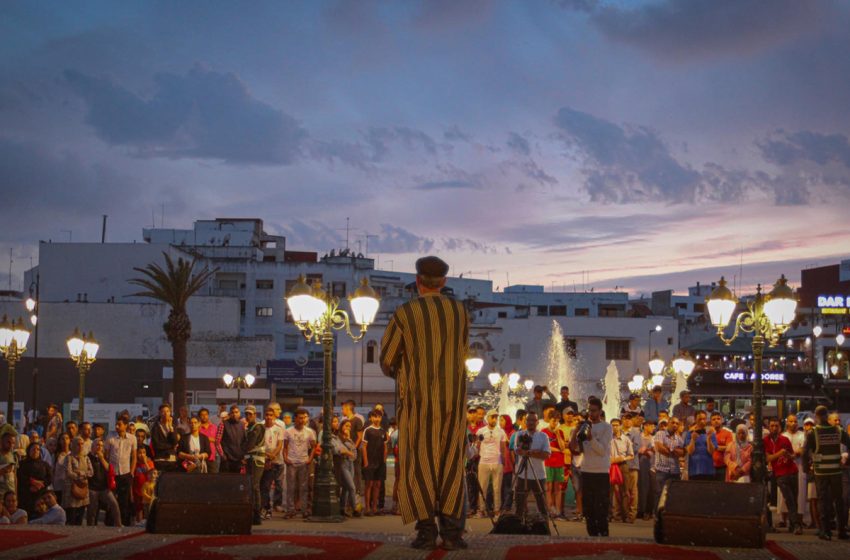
(424, 350)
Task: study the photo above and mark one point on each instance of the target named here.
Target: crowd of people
(617, 468)
(57, 472)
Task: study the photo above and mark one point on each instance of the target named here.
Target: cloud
(519, 144)
(395, 239)
(202, 114)
(455, 134)
(682, 30)
(631, 164)
(450, 185)
(380, 139)
(783, 148)
(577, 5)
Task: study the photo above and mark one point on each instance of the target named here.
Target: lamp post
(317, 315)
(83, 350)
(679, 369)
(652, 332)
(767, 317)
(474, 364)
(32, 306)
(240, 381)
(13, 343)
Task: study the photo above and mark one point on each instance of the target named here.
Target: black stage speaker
(709, 513)
(201, 504)
(511, 524)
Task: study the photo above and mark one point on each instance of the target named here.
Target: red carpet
(260, 547)
(27, 537)
(567, 549)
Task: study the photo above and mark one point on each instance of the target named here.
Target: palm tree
(173, 286)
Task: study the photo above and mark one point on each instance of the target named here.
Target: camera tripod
(521, 468)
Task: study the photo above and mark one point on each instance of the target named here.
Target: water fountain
(560, 367)
(611, 388)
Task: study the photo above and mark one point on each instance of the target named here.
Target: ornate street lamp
(83, 351)
(767, 317)
(317, 315)
(474, 364)
(240, 382)
(32, 306)
(13, 344)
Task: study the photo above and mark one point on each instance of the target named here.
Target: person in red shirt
(724, 437)
(780, 454)
(554, 464)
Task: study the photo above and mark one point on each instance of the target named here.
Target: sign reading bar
(741, 377)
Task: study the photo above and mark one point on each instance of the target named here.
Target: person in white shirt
(622, 453)
(274, 435)
(492, 446)
(298, 444)
(592, 439)
(120, 450)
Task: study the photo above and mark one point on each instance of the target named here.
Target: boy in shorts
(554, 464)
(374, 461)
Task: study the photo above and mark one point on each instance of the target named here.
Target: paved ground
(381, 538)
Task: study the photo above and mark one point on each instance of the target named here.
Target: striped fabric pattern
(424, 349)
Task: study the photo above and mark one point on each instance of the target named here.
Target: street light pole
(83, 351)
(33, 306)
(13, 343)
(317, 315)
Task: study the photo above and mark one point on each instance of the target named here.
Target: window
(611, 311)
(558, 310)
(514, 351)
(338, 289)
(582, 312)
(699, 308)
(241, 307)
(617, 349)
(265, 284)
(503, 315)
(264, 311)
(542, 310)
(371, 347)
(681, 305)
(572, 347)
(290, 342)
(669, 341)
(227, 284)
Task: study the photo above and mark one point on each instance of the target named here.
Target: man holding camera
(592, 439)
(532, 449)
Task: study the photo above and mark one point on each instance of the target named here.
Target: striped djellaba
(424, 349)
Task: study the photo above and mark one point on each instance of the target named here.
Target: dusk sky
(572, 143)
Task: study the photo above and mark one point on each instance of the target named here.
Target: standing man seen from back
(424, 349)
(823, 453)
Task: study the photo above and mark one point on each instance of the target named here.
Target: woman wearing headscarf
(739, 456)
(33, 476)
(78, 470)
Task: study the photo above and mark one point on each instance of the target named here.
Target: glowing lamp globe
(781, 305)
(6, 333)
(20, 335)
(227, 378)
(656, 364)
(839, 340)
(684, 364)
(474, 364)
(657, 380)
(75, 344)
(721, 305)
(494, 378)
(365, 303)
(834, 369)
(817, 331)
(30, 304)
(638, 378)
(304, 306)
(513, 380)
(249, 379)
(90, 346)
(529, 384)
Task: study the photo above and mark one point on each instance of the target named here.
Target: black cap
(538, 388)
(432, 266)
(634, 396)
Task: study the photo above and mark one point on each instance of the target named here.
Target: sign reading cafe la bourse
(834, 305)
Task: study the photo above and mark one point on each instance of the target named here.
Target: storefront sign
(746, 377)
(834, 305)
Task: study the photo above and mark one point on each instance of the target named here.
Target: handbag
(615, 475)
(110, 479)
(80, 490)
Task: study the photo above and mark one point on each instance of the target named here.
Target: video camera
(584, 427)
(524, 441)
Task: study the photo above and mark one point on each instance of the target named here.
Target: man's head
(648, 426)
(235, 413)
(565, 393)
(165, 412)
(34, 437)
(673, 425)
(663, 415)
(194, 425)
(822, 414)
(71, 428)
(548, 411)
(251, 413)
(52, 409)
(85, 430)
(716, 420)
(538, 392)
(709, 404)
(48, 499)
(99, 430)
(375, 417)
(774, 427)
(521, 415)
(685, 397)
(637, 420)
(287, 418)
(531, 421)
(791, 423)
(204, 416)
(301, 416)
(184, 411)
(141, 436)
(834, 419)
(594, 409)
(616, 426)
(568, 415)
(275, 407)
(431, 274)
(348, 408)
(10, 501)
(808, 424)
(271, 416)
(492, 418)
(471, 415)
(656, 392)
(634, 400)
(480, 411)
(121, 427)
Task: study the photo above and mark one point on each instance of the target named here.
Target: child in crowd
(144, 470)
(374, 461)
